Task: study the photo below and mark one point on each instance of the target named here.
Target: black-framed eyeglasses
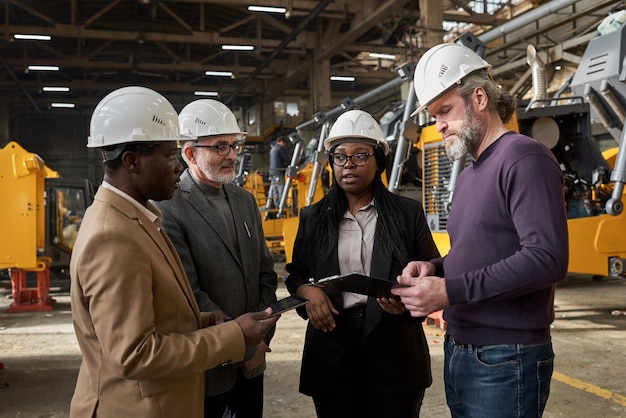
(358, 159)
(223, 149)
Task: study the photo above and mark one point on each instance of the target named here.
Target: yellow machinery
(282, 229)
(39, 218)
(436, 169)
(597, 243)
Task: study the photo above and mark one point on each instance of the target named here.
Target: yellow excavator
(39, 218)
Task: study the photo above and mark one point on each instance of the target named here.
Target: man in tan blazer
(138, 325)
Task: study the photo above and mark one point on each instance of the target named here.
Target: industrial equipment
(280, 224)
(39, 218)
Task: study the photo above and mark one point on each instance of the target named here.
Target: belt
(357, 311)
(463, 345)
(459, 344)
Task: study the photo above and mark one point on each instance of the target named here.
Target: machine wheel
(614, 207)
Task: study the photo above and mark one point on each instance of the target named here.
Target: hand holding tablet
(286, 304)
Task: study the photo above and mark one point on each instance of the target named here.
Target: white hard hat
(441, 68)
(207, 117)
(356, 126)
(132, 114)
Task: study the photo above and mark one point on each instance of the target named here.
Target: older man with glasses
(216, 228)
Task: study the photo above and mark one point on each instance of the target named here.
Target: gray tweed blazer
(221, 277)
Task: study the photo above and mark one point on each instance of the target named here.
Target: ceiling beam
(365, 22)
(206, 38)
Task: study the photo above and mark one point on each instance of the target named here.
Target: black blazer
(397, 351)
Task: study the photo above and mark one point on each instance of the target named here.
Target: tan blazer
(136, 320)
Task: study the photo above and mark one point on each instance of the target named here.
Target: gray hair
(186, 144)
(499, 100)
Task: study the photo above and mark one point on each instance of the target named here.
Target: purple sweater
(508, 235)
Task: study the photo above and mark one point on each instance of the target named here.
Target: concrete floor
(41, 358)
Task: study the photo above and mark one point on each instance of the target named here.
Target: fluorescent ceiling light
(27, 37)
(64, 105)
(267, 9)
(341, 78)
(219, 73)
(383, 56)
(206, 93)
(238, 47)
(43, 68)
(50, 88)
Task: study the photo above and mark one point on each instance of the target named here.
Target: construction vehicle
(280, 224)
(594, 180)
(39, 219)
(252, 169)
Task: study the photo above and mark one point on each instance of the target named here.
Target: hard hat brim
(329, 143)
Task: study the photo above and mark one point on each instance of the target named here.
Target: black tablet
(287, 304)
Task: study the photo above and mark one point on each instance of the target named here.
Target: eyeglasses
(223, 149)
(358, 159)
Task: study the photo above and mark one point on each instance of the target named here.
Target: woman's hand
(392, 306)
(320, 309)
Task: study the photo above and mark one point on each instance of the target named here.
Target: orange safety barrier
(436, 319)
(27, 299)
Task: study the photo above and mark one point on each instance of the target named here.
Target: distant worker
(143, 339)
(508, 230)
(279, 160)
(311, 148)
(216, 228)
(363, 356)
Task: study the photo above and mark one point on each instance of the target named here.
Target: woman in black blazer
(363, 356)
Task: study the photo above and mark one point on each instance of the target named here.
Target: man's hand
(419, 269)
(320, 309)
(424, 296)
(259, 356)
(256, 325)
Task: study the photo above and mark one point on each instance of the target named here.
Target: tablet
(359, 283)
(287, 304)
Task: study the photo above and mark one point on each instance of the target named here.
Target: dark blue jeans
(497, 381)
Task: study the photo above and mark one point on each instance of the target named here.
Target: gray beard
(224, 178)
(215, 175)
(468, 136)
(456, 150)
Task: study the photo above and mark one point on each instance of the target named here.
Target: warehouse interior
(285, 77)
(291, 70)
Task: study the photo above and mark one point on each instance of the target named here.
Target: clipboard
(359, 283)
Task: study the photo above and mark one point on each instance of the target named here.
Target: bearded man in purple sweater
(508, 236)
